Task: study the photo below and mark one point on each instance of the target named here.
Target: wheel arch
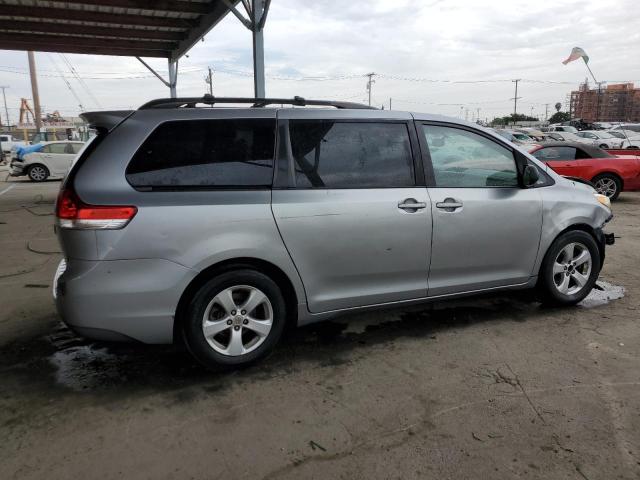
(262, 266)
(37, 164)
(583, 227)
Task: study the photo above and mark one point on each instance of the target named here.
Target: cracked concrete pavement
(490, 387)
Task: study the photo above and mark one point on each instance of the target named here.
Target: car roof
(591, 150)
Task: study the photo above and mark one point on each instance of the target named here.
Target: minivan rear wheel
(569, 269)
(234, 319)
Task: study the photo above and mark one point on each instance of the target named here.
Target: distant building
(613, 103)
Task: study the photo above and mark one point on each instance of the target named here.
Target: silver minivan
(192, 220)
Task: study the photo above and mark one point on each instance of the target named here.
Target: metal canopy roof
(140, 28)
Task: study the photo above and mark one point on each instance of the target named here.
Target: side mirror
(530, 176)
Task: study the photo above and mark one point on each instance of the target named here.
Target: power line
(64, 79)
(80, 80)
(301, 78)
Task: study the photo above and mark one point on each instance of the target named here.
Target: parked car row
(610, 139)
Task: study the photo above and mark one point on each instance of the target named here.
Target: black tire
(38, 173)
(194, 337)
(547, 286)
(608, 177)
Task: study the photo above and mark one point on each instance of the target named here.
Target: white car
(601, 139)
(8, 142)
(565, 137)
(635, 127)
(560, 128)
(52, 161)
(629, 138)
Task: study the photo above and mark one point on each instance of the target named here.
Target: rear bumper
(121, 300)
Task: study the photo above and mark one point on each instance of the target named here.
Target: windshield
(523, 137)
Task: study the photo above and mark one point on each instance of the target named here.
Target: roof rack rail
(191, 102)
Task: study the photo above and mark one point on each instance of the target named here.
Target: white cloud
(447, 40)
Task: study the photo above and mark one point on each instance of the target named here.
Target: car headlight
(603, 199)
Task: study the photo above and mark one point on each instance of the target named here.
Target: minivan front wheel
(570, 268)
(234, 319)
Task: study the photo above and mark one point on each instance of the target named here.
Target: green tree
(559, 117)
(510, 119)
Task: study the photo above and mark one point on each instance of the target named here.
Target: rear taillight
(71, 212)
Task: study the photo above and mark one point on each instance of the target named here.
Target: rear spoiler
(105, 121)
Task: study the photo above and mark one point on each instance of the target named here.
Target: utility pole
(6, 110)
(532, 110)
(546, 111)
(389, 103)
(209, 79)
(466, 114)
(515, 99)
(370, 82)
(478, 116)
(34, 90)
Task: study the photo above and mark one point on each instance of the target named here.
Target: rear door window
(335, 154)
(76, 147)
(206, 153)
(58, 148)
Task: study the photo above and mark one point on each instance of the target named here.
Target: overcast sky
(406, 42)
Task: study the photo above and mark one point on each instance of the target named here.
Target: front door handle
(411, 205)
(449, 204)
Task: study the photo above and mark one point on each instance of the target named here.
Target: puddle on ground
(82, 365)
(603, 293)
(86, 367)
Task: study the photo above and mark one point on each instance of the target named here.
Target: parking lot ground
(491, 387)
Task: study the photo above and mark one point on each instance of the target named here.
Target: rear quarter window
(205, 153)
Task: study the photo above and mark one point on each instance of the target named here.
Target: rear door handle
(449, 204)
(411, 205)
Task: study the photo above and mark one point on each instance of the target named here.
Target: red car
(610, 174)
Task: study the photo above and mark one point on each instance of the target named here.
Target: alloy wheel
(572, 268)
(37, 173)
(606, 186)
(237, 320)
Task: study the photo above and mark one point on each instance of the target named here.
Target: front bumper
(120, 300)
(604, 239)
(16, 169)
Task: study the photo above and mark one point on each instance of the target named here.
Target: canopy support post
(257, 10)
(173, 75)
